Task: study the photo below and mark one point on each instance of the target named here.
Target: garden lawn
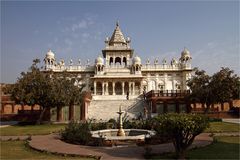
(18, 150)
(223, 127)
(223, 147)
(42, 129)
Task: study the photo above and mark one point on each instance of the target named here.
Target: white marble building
(119, 72)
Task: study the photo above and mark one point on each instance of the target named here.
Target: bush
(97, 126)
(215, 120)
(181, 128)
(78, 133)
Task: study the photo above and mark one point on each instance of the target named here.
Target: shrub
(78, 133)
(181, 128)
(97, 126)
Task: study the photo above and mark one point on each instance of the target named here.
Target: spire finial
(117, 23)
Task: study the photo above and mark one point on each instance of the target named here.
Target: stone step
(105, 110)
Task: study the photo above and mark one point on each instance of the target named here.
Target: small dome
(50, 54)
(99, 60)
(185, 53)
(136, 60)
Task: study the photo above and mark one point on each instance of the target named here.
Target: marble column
(102, 88)
(130, 88)
(122, 88)
(113, 86)
(95, 88)
(107, 88)
(133, 88)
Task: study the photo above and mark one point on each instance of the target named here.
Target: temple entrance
(118, 88)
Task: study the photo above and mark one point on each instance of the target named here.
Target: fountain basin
(109, 136)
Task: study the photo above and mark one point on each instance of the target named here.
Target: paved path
(7, 123)
(52, 143)
(233, 120)
(12, 138)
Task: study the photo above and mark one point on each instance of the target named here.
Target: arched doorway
(117, 61)
(125, 61)
(110, 88)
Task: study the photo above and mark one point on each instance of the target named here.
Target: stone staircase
(106, 109)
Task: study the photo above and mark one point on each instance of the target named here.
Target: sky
(158, 29)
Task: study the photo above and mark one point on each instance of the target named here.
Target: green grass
(223, 147)
(31, 129)
(18, 150)
(223, 127)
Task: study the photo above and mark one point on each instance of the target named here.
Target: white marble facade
(118, 72)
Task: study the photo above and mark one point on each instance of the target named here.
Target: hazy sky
(77, 29)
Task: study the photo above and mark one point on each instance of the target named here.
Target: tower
(117, 51)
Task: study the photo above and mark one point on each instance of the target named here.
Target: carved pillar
(103, 88)
(95, 88)
(107, 88)
(113, 85)
(133, 88)
(122, 88)
(130, 88)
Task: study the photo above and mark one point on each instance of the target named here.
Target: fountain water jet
(120, 130)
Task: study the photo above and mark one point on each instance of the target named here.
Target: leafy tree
(225, 85)
(200, 88)
(45, 89)
(181, 128)
(222, 87)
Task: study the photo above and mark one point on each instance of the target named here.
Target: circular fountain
(114, 136)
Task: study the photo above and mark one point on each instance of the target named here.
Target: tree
(45, 89)
(66, 92)
(181, 128)
(222, 87)
(200, 88)
(225, 85)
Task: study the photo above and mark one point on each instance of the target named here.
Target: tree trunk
(59, 114)
(71, 112)
(181, 154)
(207, 108)
(41, 115)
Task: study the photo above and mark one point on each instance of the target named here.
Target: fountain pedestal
(120, 130)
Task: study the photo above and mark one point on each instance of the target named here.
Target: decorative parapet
(148, 67)
(70, 68)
